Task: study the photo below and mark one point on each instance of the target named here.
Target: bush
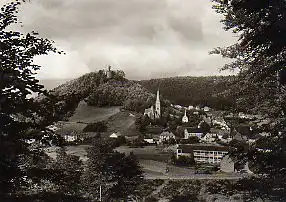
(151, 199)
(96, 127)
(139, 142)
(183, 161)
(116, 142)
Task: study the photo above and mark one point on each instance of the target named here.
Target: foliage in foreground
(260, 57)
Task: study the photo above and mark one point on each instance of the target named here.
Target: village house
(115, 135)
(191, 132)
(206, 109)
(191, 107)
(178, 106)
(203, 153)
(71, 137)
(150, 140)
(165, 136)
(239, 137)
(209, 138)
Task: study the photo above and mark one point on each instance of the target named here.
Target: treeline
(188, 90)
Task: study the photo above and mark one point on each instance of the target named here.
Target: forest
(205, 91)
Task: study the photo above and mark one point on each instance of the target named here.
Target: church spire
(158, 95)
(158, 105)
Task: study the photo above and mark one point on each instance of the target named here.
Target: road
(157, 170)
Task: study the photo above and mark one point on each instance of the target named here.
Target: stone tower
(158, 106)
(108, 73)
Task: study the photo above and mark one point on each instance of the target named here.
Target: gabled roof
(189, 148)
(194, 130)
(166, 133)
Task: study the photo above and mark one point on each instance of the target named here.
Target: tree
(69, 170)
(118, 174)
(99, 127)
(180, 131)
(190, 140)
(259, 55)
(205, 127)
(19, 114)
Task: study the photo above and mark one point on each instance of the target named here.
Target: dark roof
(194, 130)
(189, 148)
(166, 133)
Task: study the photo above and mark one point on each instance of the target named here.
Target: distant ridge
(188, 90)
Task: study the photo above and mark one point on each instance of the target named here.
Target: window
(179, 151)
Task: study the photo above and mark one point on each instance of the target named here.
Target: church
(154, 112)
(185, 118)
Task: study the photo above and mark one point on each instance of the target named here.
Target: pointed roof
(158, 94)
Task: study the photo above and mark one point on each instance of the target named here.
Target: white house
(191, 107)
(53, 128)
(165, 136)
(206, 109)
(191, 132)
(198, 108)
(203, 153)
(210, 137)
(71, 137)
(150, 140)
(115, 135)
(178, 106)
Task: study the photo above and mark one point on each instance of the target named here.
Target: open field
(69, 127)
(123, 122)
(78, 150)
(91, 114)
(117, 121)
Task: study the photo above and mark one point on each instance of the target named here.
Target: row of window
(209, 152)
(209, 160)
(205, 152)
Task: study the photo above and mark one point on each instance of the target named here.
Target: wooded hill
(210, 91)
(98, 90)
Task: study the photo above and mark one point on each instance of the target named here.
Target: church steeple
(158, 106)
(185, 118)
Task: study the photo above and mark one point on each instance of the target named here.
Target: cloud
(145, 38)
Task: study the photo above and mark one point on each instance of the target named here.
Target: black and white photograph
(143, 101)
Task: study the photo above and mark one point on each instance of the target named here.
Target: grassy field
(91, 114)
(117, 121)
(123, 122)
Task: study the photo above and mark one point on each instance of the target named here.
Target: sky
(145, 38)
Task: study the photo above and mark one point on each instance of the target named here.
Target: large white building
(191, 132)
(203, 153)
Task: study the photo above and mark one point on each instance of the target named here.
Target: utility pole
(100, 197)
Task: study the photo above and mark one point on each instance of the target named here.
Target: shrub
(183, 161)
(96, 127)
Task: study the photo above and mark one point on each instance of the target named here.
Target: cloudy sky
(145, 38)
